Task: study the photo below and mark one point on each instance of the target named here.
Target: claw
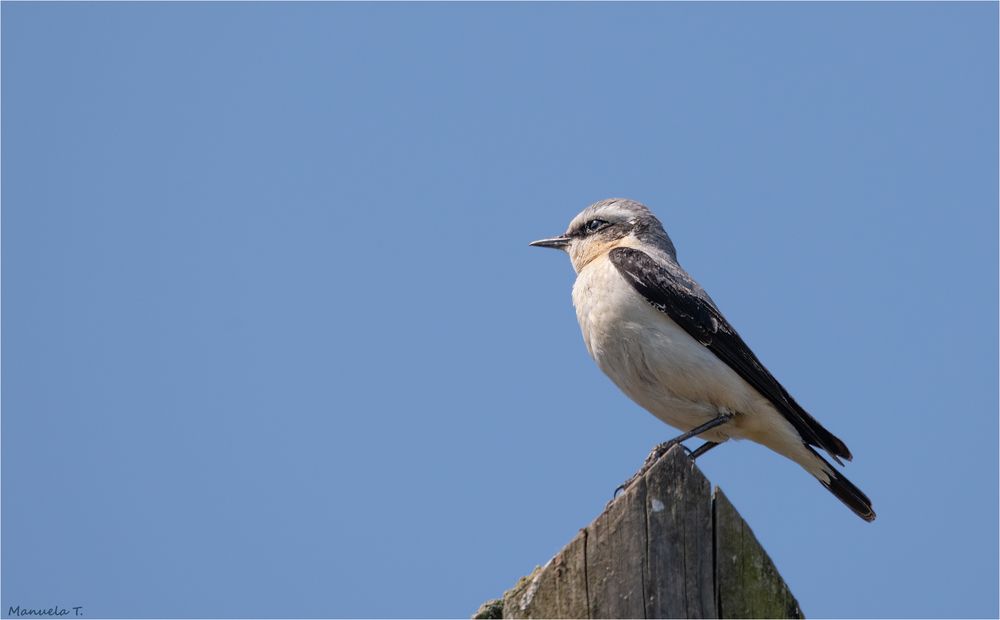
(662, 449)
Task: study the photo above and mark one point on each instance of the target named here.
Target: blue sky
(274, 343)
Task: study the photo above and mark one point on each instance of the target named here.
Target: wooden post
(666, 548)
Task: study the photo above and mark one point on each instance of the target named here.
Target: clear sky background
(274, 343)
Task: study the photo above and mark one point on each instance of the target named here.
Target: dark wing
(703, 321)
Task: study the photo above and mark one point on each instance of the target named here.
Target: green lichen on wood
(747, 583)
(490, 610)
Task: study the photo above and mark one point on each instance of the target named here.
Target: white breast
(652, 359)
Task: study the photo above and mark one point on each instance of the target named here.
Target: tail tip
(850, 495)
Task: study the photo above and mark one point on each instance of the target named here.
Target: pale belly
(654, 361)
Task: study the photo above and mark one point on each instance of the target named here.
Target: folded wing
(699, 317)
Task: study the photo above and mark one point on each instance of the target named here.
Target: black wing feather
(703, 321)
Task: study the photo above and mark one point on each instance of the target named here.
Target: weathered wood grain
(616, 557)
(666, 548)
(748, 584)
(679, 532)
(556, 590)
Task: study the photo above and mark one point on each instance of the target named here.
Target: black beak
(558, 243)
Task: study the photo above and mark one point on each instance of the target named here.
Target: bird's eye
(595, 225)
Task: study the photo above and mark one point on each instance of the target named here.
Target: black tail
(846, 492)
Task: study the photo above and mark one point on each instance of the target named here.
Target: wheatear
(659, 336)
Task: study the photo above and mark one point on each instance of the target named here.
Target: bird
(655, 332)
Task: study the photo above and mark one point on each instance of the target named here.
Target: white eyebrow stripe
(611, 213)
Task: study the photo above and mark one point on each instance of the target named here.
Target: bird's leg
(703, 448)
(662, 449)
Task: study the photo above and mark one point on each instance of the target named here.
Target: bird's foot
(654, 455)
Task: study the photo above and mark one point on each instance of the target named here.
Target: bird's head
(608, 224)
